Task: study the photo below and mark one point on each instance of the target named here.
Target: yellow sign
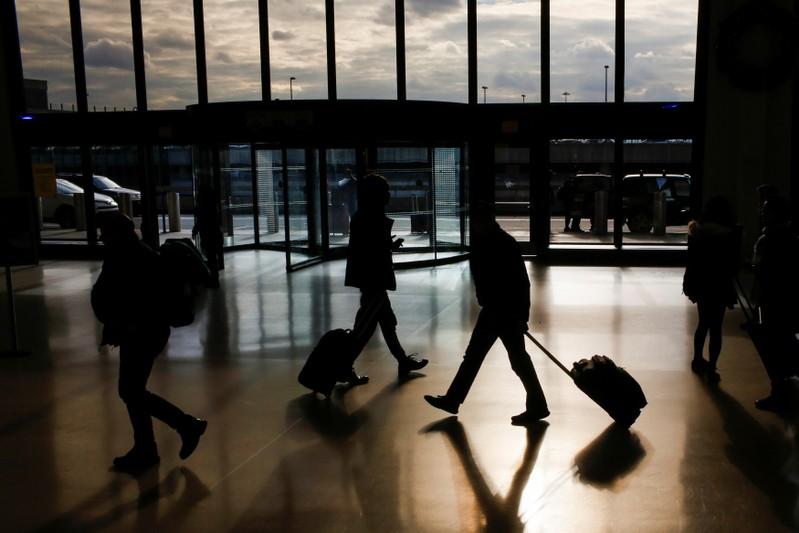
(44, 179)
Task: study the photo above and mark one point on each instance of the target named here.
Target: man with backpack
(128, 299)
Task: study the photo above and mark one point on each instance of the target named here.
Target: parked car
(61, 207)
(637, 199)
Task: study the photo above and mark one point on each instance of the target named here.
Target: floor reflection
(609, 458)
(499, 514)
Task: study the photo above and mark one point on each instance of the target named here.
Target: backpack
(185, 273)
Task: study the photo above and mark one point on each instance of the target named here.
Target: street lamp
(565, 95)
(485, 87)
(523, 96)
(291, 87)
(606, 82)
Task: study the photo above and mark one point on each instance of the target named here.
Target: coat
(369, 262)
(713, 258)
(500, 276)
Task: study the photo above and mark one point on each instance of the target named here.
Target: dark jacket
(500, 276)
(128, 296)
(777, 273)
(369, 263)
(713, 257)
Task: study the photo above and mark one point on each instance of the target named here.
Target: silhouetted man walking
(127, 299)
(371, 269)
(503, 292)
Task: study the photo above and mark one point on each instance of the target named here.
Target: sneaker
(529, 417)
(190, 434)
(409, 363)
(354, 379)
(712, 377)
(443, 402)
(137, 460)
(698, 365)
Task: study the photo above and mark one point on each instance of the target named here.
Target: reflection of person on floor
(503, 292)
(371, 269)
(713, 257)
(776, 263)
(501, 514)
(128, 300)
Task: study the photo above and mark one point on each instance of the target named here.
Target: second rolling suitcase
(610, 386)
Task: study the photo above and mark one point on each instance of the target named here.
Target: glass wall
(116, 181)
(436, 51)
(56, 190)
(171, 170)
(46, 47)
(659, 65)
(656, 191)
(509, 50)
(581, 187)
(342, 197)
(409, 174)
(366, 49)
(512, 190)
(233, 53)
(450, 201)
(298, 49)
(269, 186)
(171, 70)
(302, 184)
(582, 43)
(238, 214)
(108, 51)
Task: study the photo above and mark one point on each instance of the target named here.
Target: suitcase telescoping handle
(548, 354)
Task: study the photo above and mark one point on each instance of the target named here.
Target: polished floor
(377, 458)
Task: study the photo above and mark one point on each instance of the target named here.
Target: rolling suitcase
(329, 362)
(610, 386)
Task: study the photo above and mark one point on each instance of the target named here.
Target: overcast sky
(660, 55)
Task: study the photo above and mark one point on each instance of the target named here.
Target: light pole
(523, 97)
(565, 95)
(485, 87)
(606, 82)
(291, 87)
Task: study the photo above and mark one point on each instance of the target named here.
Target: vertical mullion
(266, 77)
(286, 220)
(199, 52)
(256, 204)
(330, 20)
(545, 52)
(618, 144)
(471, 22)
(138, 55)
(399, 21)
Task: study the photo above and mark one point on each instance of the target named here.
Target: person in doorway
(127, 299)
(567, 193)
(370, 268)
(714, 243)
(503, 292)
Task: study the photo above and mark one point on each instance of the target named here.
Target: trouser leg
(714, 344)
(522, 365)
(388, 327)
(701, 330)
(483, 337)
(142, 405)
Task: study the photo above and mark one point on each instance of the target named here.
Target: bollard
(659, 212)
(173, 211)
(125, 201)
(600, 222)
(79, 203)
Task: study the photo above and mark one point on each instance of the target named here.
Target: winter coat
(369, 262)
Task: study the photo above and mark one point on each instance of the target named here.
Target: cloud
(433, 8)
(109, 53)
(279, 35)
(646, 55)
